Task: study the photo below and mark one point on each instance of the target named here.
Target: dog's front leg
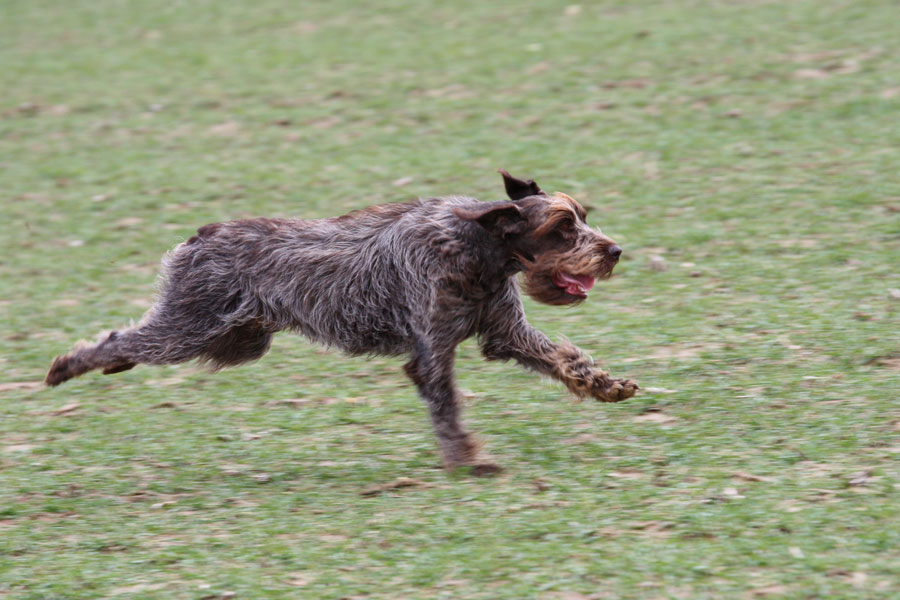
(564, 362)
(432, 372)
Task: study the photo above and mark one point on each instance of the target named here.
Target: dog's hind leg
(198, 316)
(108, 354)
(82, 358)
(158, 342)
(161, 340)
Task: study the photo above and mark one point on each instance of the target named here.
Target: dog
(414, 278)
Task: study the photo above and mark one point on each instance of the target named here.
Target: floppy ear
(517, 189)
(501, 218)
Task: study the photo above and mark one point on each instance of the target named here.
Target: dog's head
(560, 255)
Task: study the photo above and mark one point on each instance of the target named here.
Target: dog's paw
(477, 468)
(614, 390)
(486, 468)
(464, 454)
(59, 371)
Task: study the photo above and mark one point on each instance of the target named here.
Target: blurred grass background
(745, 155)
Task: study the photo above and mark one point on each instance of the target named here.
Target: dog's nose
(614, 251)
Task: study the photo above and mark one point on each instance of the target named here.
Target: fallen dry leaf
(144, 303)
(676, 351)
(305, 27)
(67, 302)
(790, 506)
(821, 495)
(844, 67)
(656, 417)
(544, 65)
(750, 477)
(19, 447)
(627, 474)
(298, 581)
(627, 83)
(326, 122)
(658, 263)
(233, 469)
(731, 493)
(226, 129)
(581, 438)
(134, 589)
(862, 479)
(165, 382)
(570, 596)
(769, 590)
(129, 222)
(817, 56)
(165, 404)
(292, 402)
(20, 385)
(400, 482)
(540, 484)
(652, 526)
(226, 595)
(62, 410)
(811, 74)
(29, 108)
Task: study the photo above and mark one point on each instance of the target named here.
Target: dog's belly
(361, 341)
(354, 333)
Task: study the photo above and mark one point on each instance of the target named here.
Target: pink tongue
(575, 284)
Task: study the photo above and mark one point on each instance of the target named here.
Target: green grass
(755, 146)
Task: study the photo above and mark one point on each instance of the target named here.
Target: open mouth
(574, 285)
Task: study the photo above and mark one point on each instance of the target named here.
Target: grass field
(745, 154)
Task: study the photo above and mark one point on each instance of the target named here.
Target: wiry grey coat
(413, 279)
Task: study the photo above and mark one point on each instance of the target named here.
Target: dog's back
(355, 281)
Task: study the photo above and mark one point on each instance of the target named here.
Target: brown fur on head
(567, 254)
(560, 254)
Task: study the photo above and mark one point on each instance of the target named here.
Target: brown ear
(517, 189)
(501, 218)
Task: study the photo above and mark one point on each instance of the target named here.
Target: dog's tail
(86, 357)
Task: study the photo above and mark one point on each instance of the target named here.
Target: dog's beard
(563, 279)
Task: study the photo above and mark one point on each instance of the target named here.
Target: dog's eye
(566, 226)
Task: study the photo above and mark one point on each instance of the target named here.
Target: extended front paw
(613, 390)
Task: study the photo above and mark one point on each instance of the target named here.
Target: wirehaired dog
(414, 278)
